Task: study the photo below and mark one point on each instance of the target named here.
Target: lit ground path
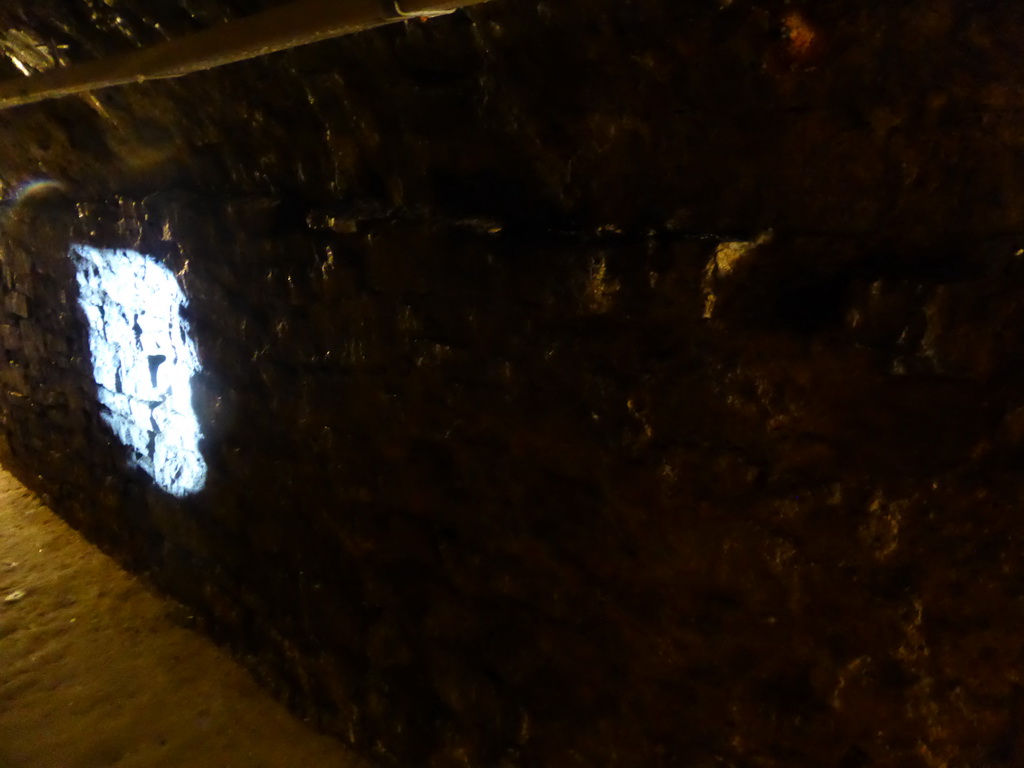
(94, 673)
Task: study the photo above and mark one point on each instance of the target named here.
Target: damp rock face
(582, 384)
(143, 362)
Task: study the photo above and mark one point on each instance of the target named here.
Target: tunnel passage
(143, 360)
(522, 451)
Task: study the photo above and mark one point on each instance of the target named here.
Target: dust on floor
(94, 673)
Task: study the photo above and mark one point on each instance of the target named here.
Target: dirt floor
(94, 671)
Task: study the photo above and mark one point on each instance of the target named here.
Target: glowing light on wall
(36, 188)
(143, 360)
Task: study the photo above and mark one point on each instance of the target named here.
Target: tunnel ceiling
(696, 117)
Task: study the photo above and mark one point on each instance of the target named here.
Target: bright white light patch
(143, 360)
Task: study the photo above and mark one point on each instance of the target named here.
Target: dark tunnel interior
(566, 383)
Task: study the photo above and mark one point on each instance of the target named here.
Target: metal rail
(278, 29)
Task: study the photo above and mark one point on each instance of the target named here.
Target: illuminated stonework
(143, 361)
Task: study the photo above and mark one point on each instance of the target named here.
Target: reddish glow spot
(799, 33)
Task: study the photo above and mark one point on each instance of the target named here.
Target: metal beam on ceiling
(294, 24)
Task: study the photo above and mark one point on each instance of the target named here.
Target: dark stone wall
(518, 456)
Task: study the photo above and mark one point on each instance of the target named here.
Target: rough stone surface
(586, 383)
(98, 671)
